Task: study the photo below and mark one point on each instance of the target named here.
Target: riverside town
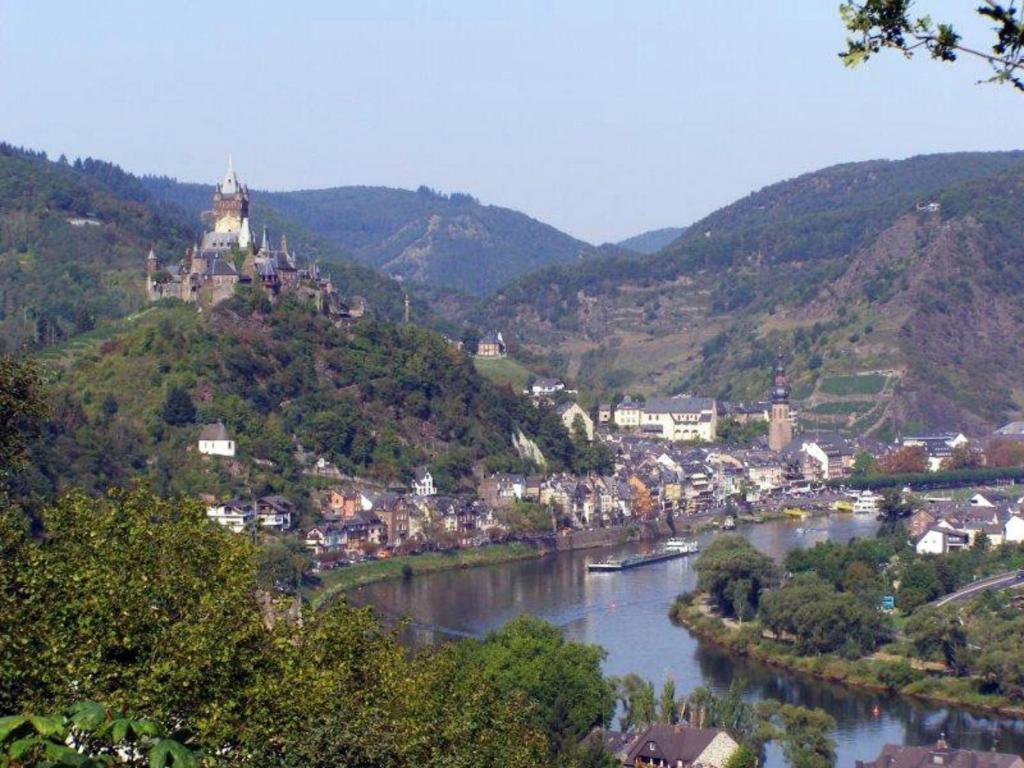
(541, 386)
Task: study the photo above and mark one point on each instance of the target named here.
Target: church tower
(780, 430)
(230, 203)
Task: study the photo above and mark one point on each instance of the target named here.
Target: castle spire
(265, 243)
(230, 184)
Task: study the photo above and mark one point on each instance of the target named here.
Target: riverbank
(883, 672)
(339, 580)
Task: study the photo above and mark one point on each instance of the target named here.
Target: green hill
(73, 239)
(376, 399)
(450, 241)
(847, 270)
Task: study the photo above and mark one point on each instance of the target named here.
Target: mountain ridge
(450, 241)
(708, 312)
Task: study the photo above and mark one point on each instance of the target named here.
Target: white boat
(687, 546)
(729, 524)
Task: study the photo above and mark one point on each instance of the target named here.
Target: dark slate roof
(678, 404)
(672, 743)
(219, 267)
(893, 756)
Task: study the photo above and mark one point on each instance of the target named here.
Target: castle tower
(780, 430)
(152, 265)
(230, 203)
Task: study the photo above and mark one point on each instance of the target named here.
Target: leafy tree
(117, 604)
(820, 619)
(908, 459)
(864, 464)
(282, 563)
(639, 708)
(878, 24)
(1004, 453)
(88, 735)
(144, 604)
(963, 457)
(22, 411)
(109, 406)
(530, 660)
(734, 574)
(178, 407)
(668, 707)
(935, 631)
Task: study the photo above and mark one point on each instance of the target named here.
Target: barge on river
(635, 561)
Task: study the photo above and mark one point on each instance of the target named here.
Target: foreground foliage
(143, 605)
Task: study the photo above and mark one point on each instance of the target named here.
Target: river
(627, 614)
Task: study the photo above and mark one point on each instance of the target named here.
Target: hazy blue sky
(603, 119)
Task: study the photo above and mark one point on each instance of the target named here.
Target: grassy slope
(502, 371)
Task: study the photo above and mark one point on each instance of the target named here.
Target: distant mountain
(651, 241)
(449, 241)
(908, 272)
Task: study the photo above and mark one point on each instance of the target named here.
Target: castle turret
(152, 264)
(780, 429)
(230, 203)
(244, 235)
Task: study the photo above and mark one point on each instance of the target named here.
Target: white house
(627, 413)
(1013, 530)
(939, 540)
(275, 512)
(214, 441)
(546, 387)
(423, 482)
(237, 515)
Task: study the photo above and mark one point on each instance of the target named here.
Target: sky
(603, 119)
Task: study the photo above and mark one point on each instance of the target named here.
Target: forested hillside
(449, 241)
(905, 271)
(73, 240)
(375, 399)
(652, 241)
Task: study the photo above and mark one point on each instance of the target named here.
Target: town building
(275, 512)
(900, 756)
(680, 418)
(569, 413)
(215, 441)
(825, 456)
(235, 515)
(938, 445)
(423, 482)
(627, 413)
(682, 746)
(938, 540)
(780, 428)
(604, 413)
(492, 344)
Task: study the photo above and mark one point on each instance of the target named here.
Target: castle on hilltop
(228, 255)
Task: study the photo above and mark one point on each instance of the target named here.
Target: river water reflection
(627, 614)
